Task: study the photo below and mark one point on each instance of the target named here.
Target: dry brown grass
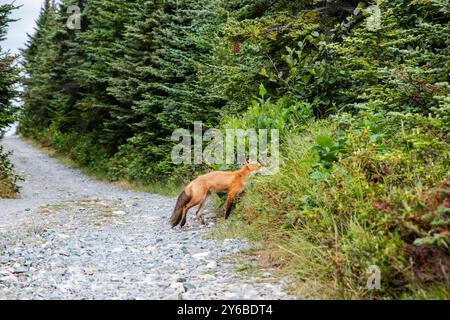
(7, 189)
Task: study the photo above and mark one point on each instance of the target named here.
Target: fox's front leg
(232, 194)
(230, 200)
(183, 216)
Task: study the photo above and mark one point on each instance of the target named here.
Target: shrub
(8, 179)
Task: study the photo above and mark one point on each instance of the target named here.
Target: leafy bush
(285, 114)
(141, 161)
(328, 150)
(8, 179)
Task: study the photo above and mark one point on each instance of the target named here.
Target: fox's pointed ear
(245, 161)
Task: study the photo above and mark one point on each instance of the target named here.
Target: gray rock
(188, 287)
(177, 286)
(20, 270)
(89, 271)
(211, 265)
(174, 296)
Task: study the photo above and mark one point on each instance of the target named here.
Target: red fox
(197, 192)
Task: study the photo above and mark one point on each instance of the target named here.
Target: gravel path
(71, 237)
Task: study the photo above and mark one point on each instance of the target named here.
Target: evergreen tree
(128, 80)
(9, 76)
(8, 72)
(158, 81)
(400, 61)
(38, 63)
(105, 24)
(173, 98)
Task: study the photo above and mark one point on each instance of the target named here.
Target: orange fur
(231, 182)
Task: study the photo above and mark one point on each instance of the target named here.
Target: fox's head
(253, 167)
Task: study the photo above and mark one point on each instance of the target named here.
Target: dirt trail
(72, 237)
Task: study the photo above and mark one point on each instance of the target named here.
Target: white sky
(17, 33)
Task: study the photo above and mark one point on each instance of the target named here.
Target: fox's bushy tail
(183, 200)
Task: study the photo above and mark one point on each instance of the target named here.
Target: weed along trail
(71, 237)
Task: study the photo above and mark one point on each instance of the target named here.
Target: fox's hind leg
(196, 199)
(200, 208)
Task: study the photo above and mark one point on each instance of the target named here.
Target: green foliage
(285, 115)
(139, 69)
(402, 63)
(328, 150)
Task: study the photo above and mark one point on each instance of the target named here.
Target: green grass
(431, 293)
(155, 187)
(256, 218)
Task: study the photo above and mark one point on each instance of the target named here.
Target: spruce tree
(38, 64)
(104, 23)
(8, 72)
(159, 80)
(9, 76)
(172, 98)
(400, 62)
